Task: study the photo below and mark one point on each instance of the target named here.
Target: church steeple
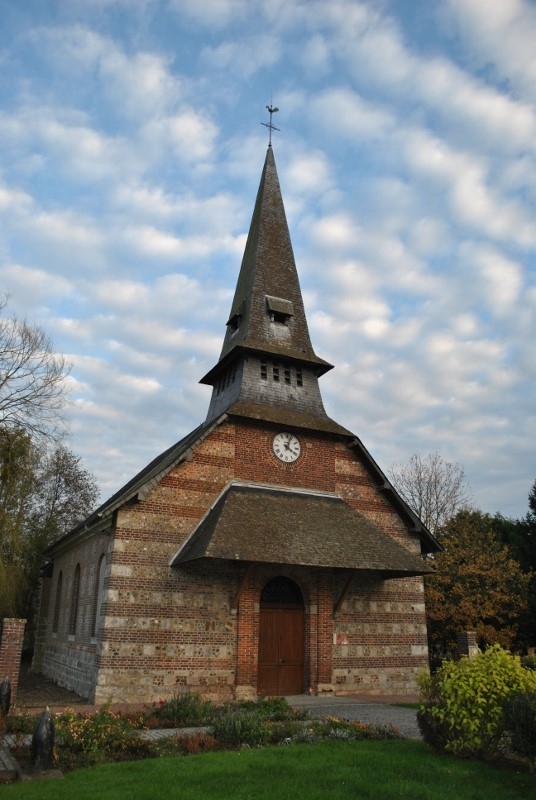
(267, 359)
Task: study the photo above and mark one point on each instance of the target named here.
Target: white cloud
(36, 286)
(212, 13)
(378, 57)
(335, 232)
(137, 85)
(188, 135)
(500, 36)
(429, 236)
(316, 54)
(487, 115)
(500, 278)
(344, 113)
(14, 200)
(472, 199)
(243, 57)
(308, 174)
(70, 233)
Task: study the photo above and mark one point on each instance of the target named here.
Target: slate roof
(289, 417)
(264, 524)
(268, 278)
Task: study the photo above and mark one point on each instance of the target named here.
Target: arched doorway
(281, 638)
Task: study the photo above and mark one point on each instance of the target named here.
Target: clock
(286, 447)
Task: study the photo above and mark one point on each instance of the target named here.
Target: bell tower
(268, 367)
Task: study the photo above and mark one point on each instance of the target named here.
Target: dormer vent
(280, 310)
(234, 322)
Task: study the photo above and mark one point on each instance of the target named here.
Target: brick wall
(67, 632)
(164, 631)
(11, 640)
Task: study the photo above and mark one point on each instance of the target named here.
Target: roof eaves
(217, 536)
(141, 484)
(384, 485)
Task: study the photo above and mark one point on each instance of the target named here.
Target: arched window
(75, 598)
(98, 596)
(57, 604)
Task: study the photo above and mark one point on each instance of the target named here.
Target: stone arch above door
(282, 590)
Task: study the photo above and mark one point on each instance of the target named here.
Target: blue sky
(130, 154)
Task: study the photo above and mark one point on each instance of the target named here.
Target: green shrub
(519, 718)
(238, 726)
(337, 728)
(20, 723)
(273, 708)
(463, 709)
(529, 662)
(98, 738)
(284, 730)
(184, 709)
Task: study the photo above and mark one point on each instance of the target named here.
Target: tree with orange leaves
(477, 585)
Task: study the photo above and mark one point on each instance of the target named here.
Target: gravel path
(377, 713)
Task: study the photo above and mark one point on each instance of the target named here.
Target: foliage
(94, 739)
(43, 493)
(477, 585)
(257, 722)
(337, 728)
(21, 723)
(18, 465)
(463, 709)
(184, 709)
(433, 488)
(33, 379)
(238, 727)
(273, 708)
(83, 740)
(520, 536)
(519, 719)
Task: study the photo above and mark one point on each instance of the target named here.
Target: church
(264, 553)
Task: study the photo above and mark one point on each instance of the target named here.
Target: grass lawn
(331, 769)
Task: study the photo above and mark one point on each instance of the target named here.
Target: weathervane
(271, 127)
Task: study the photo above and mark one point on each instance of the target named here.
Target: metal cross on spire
(271, 127)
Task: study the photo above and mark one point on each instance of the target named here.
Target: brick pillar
(311, 622)
(247, 644)
(10, 652)
(466, 645)
(325, 634)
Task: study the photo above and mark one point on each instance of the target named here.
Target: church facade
(264, 553)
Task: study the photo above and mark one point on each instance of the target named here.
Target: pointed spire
(267, 313)
(268, 368)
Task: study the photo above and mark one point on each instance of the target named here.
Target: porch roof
(265, 524)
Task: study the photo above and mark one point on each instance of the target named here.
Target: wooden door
(281, 650)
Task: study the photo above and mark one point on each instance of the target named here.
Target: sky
(131, 149)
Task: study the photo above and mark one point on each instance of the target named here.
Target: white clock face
(286, 447)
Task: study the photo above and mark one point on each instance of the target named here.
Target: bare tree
(434, 488)
(33, 379)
